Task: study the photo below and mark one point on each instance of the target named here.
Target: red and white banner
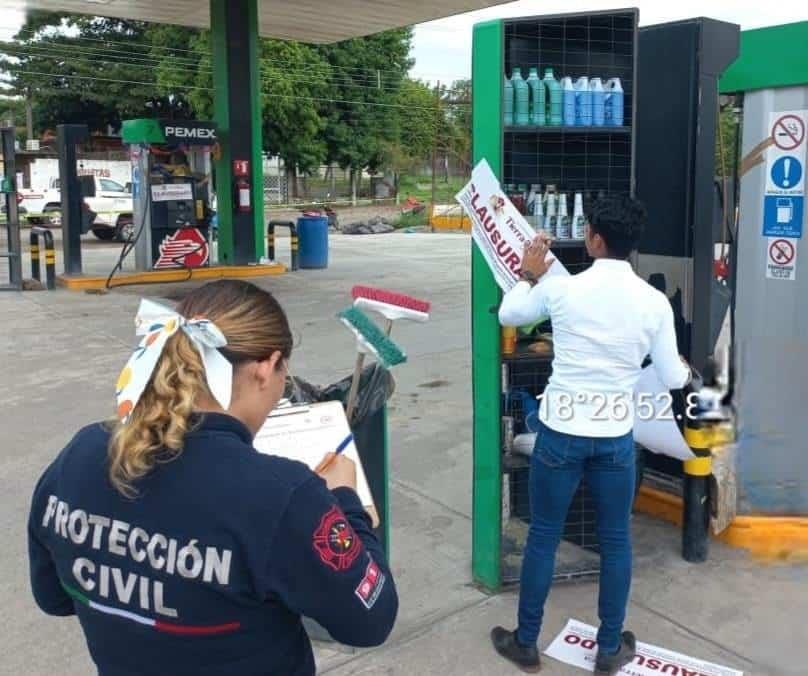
(497, 227)
(576, 645)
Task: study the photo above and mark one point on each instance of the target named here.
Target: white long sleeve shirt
(606, 320)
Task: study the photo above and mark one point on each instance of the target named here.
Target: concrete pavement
(60, 353)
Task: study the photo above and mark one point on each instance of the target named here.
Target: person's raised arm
(528, 300)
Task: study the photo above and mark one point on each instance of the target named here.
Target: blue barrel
(312, 232)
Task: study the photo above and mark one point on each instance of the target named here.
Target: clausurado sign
(498, 228)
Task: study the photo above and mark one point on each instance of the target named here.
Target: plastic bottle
(553, 101)
(569, 101)
(538, 209)
(550, 219)
(564, 222)
(613, 108)
(507, 103)
(521, 99)
(596, 88)
(531, 199)
(537, 98)
(583, 102)
(578, 222)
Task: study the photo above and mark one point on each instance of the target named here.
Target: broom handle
(360, 362)
(349, 408)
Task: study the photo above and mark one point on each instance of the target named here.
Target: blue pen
(345, 442)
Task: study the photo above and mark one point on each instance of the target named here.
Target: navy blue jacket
(210, 568)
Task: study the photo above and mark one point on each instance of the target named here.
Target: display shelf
(546, 129)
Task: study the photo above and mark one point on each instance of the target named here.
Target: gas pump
(171, 191)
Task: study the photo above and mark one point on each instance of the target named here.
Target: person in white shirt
(605, 320)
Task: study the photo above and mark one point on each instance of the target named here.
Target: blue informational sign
(782, 216)
(787, 172)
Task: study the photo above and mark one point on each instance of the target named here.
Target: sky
(442, 49)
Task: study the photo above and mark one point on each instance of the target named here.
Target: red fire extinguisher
(243, 195)
(241, 172)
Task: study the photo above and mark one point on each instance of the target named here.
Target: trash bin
(376, 386)
(369, 428)
(312, 232)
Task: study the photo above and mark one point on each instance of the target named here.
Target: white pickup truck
(112, 205)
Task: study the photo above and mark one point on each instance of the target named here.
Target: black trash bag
(376, 386)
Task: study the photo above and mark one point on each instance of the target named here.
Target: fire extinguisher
(243, 195)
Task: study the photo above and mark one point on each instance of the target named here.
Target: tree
(82, 69)
(363, 110)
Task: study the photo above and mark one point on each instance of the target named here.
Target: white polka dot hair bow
(157, 323)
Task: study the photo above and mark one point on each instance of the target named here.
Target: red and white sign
(497, 227)
(577, 645)
(781, 258)
(185, 248)
(241, 168)
(788, 131)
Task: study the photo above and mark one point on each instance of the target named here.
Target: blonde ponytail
(255, 327)
(156, 429)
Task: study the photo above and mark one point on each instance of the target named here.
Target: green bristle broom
(370, 339)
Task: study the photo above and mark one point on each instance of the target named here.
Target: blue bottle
(583, 102)
(568, 98)
(614, 103)
(598, 95)
(507, 103)
(521, 99)
(537, 98)
(553, 99)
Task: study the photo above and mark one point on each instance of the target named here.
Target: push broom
(369, 340)
(392, 306)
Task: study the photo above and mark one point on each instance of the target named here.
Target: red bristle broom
(392, 306)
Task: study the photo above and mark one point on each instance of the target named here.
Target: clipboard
(306, 433)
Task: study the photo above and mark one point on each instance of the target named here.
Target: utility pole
(435, 149)
(29, 116)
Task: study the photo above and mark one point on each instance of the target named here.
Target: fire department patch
(186, 247)
(371, 585)
(335, 541)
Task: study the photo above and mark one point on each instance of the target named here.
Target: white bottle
(550, 219)
(563, 223)
(578, 221)
(531, 199)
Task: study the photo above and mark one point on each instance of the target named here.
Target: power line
(69, 52)
(193, 87)
(45, 53)
(371, 72)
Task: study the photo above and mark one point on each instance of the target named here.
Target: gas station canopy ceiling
(304, 20)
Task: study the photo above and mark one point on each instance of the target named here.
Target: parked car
(112, 205)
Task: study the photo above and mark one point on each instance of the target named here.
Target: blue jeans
(559, 462)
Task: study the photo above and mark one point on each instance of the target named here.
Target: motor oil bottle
(550, 218)
(596, 88)
(613, 104)
(521, 99)
(578, 221)
(563, 222)
(507, 103)
(583, 102)
(568, 97)
(537, 98)
(553, 98)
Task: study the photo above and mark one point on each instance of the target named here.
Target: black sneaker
(608, 665)
(523, 656)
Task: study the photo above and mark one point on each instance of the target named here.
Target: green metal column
(237, 110)
(487, 74)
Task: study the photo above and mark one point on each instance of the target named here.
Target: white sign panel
(781, 258)
(171, 192)
(577, 645)
(497, 227)
(784, 194)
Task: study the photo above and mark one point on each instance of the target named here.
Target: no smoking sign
(781, 258)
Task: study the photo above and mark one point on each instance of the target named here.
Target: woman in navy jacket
(180, 548)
